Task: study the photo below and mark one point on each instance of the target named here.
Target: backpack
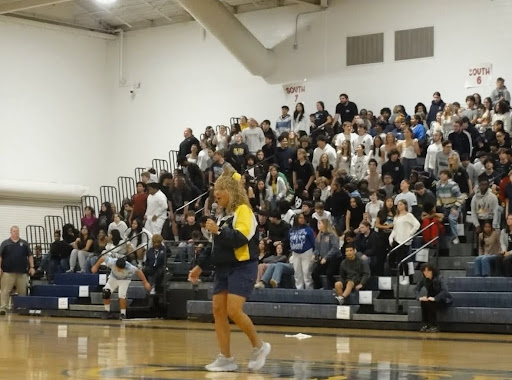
(437, 229)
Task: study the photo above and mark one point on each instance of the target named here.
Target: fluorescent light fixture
(106, 2)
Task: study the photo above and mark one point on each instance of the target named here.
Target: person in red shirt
(139, 202)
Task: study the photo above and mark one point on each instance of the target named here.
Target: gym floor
(64, 348)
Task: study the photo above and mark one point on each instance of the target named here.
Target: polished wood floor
(58, 348)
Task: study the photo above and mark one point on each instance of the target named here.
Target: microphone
(213, 212)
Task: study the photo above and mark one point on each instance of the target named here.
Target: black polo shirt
(15, 256)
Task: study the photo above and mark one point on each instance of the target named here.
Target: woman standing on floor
(235, 256)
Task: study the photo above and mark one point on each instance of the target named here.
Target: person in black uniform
(235, 257)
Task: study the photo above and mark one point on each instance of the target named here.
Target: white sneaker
(152, 291)
(341, 299)
(404, 280)
(222, 364)
(258, 356)
(259, 285)
(456, 241)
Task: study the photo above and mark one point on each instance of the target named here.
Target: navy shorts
(238, 279)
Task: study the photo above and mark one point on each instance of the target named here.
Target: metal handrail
(401, 263)
(409, 239)
(126, 242)
(192, 201)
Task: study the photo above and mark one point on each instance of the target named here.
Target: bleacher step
(277, 310)
(484, 315)
(92, 307)
(380, 317)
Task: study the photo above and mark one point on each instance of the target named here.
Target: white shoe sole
(258, 364)
(228, 368)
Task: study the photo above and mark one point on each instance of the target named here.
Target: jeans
(452, 220)
(330, 269)
(302, 263)
(339, 222)
(82, 258)
(429, 312)
(89, 263)
(482, 265)
(57, 265)
(409, 164)
(276, 271)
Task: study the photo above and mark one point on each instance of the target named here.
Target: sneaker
(340, 299)
(70, 271)
(424, 328)
(404, 280)
(433, 329)
(258, 356)
(222, 364)
(106, 315)
(122, 316)
(273, 283)
(152, 291)
(456, 241)
(2, 312)
(259, 285)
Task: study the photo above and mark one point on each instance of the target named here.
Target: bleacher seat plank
(275, 310)
(484, 315)
(43, 303)
(479, 284)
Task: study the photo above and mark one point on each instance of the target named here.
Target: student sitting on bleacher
(115, 245)
(489, 250)
(278, 266)
(59, 256)
(354, 273)
(506, 247)
(433, 298)
(154, 266)
(81, 248)
(99, 246)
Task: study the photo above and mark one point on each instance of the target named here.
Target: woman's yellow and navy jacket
(237, 241)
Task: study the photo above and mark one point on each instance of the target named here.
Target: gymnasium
(368, 143)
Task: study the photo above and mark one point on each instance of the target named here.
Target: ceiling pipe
(122, 79)
(218, 20)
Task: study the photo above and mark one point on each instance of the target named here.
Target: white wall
(54, 104)
(189, 79)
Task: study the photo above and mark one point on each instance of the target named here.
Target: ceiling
(123, 14)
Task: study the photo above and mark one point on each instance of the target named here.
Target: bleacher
(479, 304)
(78, 295)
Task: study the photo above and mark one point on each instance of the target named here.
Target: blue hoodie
(302, 239)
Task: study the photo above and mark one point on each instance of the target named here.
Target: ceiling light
(106, 2)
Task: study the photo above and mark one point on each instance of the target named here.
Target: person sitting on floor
(154, 266)
(354, 273)
(433, 298)
(120, 277)
(277, 266)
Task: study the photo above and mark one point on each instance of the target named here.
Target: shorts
(114, 283)
(356, 282)
(238, 279)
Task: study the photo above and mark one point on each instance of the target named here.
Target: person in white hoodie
(484, 206)
(253, 137)
(433, 148)
(323, 147)
(405, 225)
(156, 211)
(117, 224)
(276, 187)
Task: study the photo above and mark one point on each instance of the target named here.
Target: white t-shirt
(410, 197)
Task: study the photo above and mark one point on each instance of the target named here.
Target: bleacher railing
(138, 172)
(51, 224)
(92, 201)
(36, 235)
(127, 188)
(159, 164)
(110, 194)
(72, 215)
(173, 160)
(234, 120)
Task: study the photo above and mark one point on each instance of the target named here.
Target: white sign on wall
(294, 93)
(479, 75)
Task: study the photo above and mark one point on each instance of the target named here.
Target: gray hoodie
(497, 94)
(485, 207)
